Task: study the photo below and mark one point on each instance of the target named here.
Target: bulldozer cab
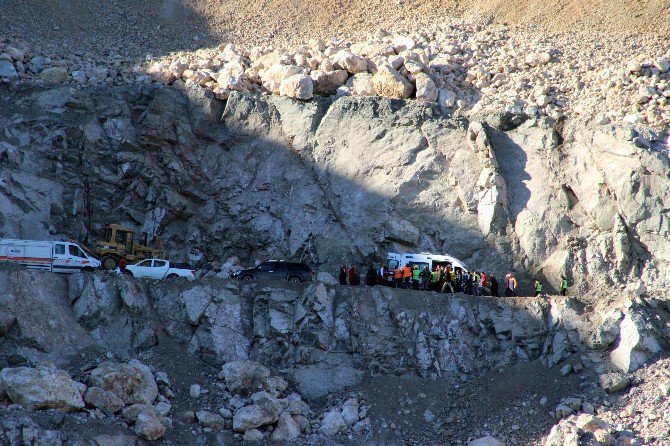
(118, 239)
(119, 242)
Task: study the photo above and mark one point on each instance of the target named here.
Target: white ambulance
(422, 260)
(59, 257)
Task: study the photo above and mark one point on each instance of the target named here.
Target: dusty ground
(425, 412)
(127, 27)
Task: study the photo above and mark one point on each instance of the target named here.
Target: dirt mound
(158, 26)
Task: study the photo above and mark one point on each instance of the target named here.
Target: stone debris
(210, 420)
(195, 390)
(332, 423)
(614, 382)
(43, 387)
(104, 400)
(287, 428)
(484, 70)
(486, 441)
(132, 382)
(149, 425)
(245, 377)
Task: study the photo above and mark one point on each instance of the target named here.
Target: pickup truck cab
(158, 269)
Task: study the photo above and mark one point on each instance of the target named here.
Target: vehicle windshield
(75, 251)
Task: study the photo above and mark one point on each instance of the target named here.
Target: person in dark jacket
(122, 264)
(343, 275)
(353, 276)
(494, 285)
(371, 277)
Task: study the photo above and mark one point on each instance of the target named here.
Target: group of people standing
(351, 276)
(443, 278)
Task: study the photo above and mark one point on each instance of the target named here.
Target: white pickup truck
(158, 269)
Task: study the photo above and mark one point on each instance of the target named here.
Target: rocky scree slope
(597, 78)
(317, 341)
(335, 180)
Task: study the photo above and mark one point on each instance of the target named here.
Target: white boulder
(298, 87)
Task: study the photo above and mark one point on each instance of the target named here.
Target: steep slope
(333, 181)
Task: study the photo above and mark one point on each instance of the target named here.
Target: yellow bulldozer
(120, 241)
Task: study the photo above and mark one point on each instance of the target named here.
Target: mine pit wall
(324, 338)
(337, 180)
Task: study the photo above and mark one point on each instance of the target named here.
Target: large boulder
(210, 420)
(245, 377)
(638, 343)
(332, 423)
(55, 75)
(104, 400)
(298, 87)
(265, 410)
(132, 382)
(326, 83)
(425, 88)
(149, 425)
(361, 85)
(287, 428)
(273, 76)
(389, 83)
(44, 387)
(350, 62)
(7, 70)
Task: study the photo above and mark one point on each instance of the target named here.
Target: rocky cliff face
(335, 180)
(326, 338)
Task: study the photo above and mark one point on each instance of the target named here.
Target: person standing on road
(123, 262)
(407, 276)
(564, 285)
(476, 277)
(397, 277)
(380, 273)
(448, 277)
(416, 277)
(538, 287)
(510, 291)
(433, 280)
(425, 279)
(483, 283)
(353, 276)
(343, 275)
(458, 278)
(494, 285)
(371, 277)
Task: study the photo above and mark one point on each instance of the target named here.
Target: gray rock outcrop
(500, 191)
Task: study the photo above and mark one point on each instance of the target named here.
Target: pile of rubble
(129, 390)
(469, 68)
